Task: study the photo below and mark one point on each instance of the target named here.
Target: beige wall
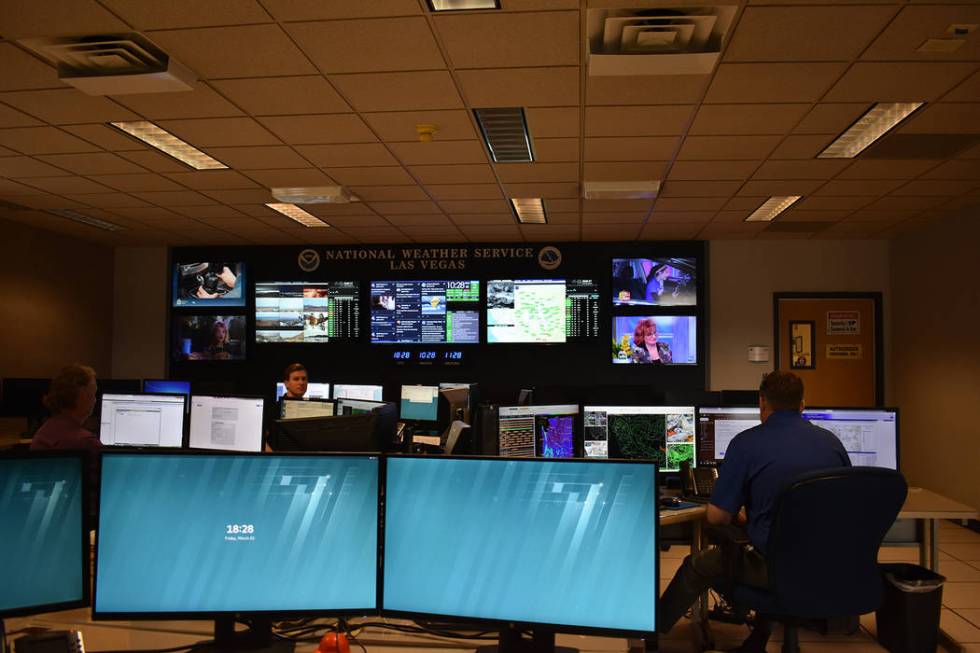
(936, 356)
(139, 324)
(744, 274)
(56, 293)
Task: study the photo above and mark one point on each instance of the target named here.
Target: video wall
(561, 314)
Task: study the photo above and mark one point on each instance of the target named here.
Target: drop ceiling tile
(16, 167)
(714, 148)
(105, 137)
(794, 215)
(97, 163)
(187, 13)
(67, 106)
(439, 153)
(523, 172)
(690, 203)
(818, 203)
(201, 102)
(375, 234)
(681, 217)
(867, 187)
(751, 119)
(179, 198)
(735, 216)
(421, 232)
(320, 9)
(907, 81)
(44, 202)
(233, 225)
(812, 169)
(454, 174)
(469, 219)
(559, 205)
(43, 140)
(559, 218)
(881, 216)
(108, 200)
(805, 33)
(555, 150)
(646, 89)
(637, 121)
(371, 45)
(365, 220)
(242, 51)
(390, 193)
(360, 154)
(5, 152)
(546, 190)
(13, 118)
(10, 188)
(609, 232)
(887, 168)
(772, 82)
(420, 221)
(212, 179)
(155, 162)
(331, 211)
(458, 207)
(272, 157)
(22, 71)
(145, 213)
(210, 212)
(381, 176)
(915, 24)
(744, 203)
(521, 87)
(218, 132)
(131, 183)
(553, 122)
(21, 18)
(830, 118)
(283, 96)
(326, 128)
(397, 126)
(406, 91)
(700, 188)
(625, 171)
(464, 191)
(968, 91)
(802, 146)
(670, 231)
(495, 39)
(944, 119)
(59, 185)
(947, 170)
(787, 187)
(638, 148)
(555, 233)
(501, 233)
(398, 208)
(613, 206)
(712, 170)
(936, 187)
(244, 196)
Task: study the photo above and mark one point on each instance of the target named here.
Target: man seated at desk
(759, 462)
(296, 381)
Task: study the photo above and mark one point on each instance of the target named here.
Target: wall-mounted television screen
(307, 312)
(209, 337)
(425, 311)
(654, 282)
(662, 434)
(209, 284)
(542, 310)
(655, 340)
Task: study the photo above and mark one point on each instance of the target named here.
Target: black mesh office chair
(822, 552)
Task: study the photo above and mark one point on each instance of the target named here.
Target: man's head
(295, 379)
(72, 392)
(780, 390)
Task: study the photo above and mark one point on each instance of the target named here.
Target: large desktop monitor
(542, 310)
(570, 545)
(717, 426)
(420, 403)
(542, 431)
(209, 534)
(307, 312)
(142, 420)
(167, 387)
(44, 558)
(314, 390)
(347, 433)
(356, 406)
(226, 423)
(661, 434)
(302, 408)
(425, 312)
(354, 391)
(870, 435)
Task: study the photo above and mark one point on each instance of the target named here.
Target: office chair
(822, 552)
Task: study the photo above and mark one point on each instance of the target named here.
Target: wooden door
(841, 365)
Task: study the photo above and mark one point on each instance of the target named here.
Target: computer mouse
(670, 502)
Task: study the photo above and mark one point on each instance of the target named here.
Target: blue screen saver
(161, 386)
(230, 533)
(41, 525)
(533, 541)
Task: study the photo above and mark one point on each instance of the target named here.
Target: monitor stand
(257, 639)
(512, 641)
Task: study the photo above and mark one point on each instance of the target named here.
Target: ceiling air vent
(666, 40)
(505, 133)
(113, 64)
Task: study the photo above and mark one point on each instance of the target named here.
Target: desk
(926, 508)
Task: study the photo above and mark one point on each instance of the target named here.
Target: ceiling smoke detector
(315, 195)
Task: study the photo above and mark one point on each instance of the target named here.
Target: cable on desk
(175, 649)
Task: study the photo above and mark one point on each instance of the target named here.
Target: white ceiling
(319, 92)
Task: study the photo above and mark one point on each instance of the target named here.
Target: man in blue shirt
(758, 464)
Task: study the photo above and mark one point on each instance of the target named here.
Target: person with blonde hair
(71, 400)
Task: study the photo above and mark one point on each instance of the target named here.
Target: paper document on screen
(224, 421)
(417, 394)
(140, 426)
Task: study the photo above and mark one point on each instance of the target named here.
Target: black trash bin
(908, 619)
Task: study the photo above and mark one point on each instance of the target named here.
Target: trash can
(908, 619)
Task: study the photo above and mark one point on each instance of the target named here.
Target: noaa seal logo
(549, 258)
(308, 260)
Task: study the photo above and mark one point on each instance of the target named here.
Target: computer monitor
(167, 387)
(44, 558)
(435, 311)
(347, 433)
(542, 310)
(314, 390)
(356, 406)
(228, 423)
(569, 545)
(420, 403)
(717, 426)
(24, 397)
(662, 434)
(300, 408)
(142, 420)
(268, 534)
(869, 435)
(353, 391)
(307, 311)
(543, 431)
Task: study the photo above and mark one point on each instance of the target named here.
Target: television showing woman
(646, 347)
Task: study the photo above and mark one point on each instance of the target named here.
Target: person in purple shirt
(758, 464)
(71, 400)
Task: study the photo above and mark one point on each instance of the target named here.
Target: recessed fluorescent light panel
(169, 144)
(462, 5)
(505, 134)
(877, 122)
(84, 219)
(772, 207)
(293, 212)
(529, 210)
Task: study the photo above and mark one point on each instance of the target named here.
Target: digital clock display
(239, 529)
(427, 355)
(402, 355)
(454, 355)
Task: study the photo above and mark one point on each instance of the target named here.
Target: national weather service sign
(416, 259)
